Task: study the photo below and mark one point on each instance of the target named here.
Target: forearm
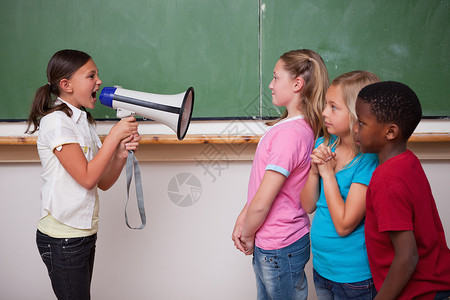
(237, 230)
(241, 218)
(398, 276)
(86, 173)
(346, 215)
(262, 202)
(403, 264)
(100, 164)
(255, 217)
(112, 173)
(310, 193)
(336, 204)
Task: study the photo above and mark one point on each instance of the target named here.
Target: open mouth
(94, 95)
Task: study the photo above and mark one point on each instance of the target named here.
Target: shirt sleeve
(55, 130)
(392, 209)
(367, 163)
(318, 142)
(287, 152)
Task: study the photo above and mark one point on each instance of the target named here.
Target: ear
(392, 131)
(299, 83)
(65, 86)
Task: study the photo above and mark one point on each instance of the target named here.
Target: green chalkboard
(401, 40)
(226, 50)
(153, 46)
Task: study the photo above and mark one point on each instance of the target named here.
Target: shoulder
(331, 142)
(362, 168)
(319, 141)
(404, 164)
(291, 132)
(369, 159)
(55, 116)
(56, 119)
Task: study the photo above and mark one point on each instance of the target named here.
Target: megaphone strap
(132, 163)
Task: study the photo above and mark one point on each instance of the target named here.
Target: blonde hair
(350, 83)
(311, 67)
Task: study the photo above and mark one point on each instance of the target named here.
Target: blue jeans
(328, 290)
(69, 263)
(280, 273)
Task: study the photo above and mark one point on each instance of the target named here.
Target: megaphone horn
(174, 111)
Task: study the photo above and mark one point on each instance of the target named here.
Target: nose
(355, 128)
(271, 85)
(324, 112)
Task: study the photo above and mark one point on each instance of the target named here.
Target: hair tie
(49, 83)
(309, 59)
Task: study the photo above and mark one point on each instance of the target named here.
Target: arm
(237, 231)
(402, 267)
(310, 192)
(115, 167)
(346, 215)
(260, 206)
(88, 174)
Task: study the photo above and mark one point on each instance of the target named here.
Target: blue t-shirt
(342, 259)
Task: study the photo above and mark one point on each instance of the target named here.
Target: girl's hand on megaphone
(130, 143)
(124, 128)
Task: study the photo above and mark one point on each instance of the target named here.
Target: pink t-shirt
(284, 148)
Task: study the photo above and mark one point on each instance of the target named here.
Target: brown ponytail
(62, 65)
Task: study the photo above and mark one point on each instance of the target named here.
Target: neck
(294, 107)
(295, 114)
(347, 142)
(69, 99)
(390, 152)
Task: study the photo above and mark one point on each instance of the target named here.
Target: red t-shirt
(399, 198)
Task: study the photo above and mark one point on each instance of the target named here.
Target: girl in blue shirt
(336, 190)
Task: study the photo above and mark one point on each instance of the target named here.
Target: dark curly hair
(393, 102)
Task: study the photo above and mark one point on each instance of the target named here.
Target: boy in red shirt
(406, 246)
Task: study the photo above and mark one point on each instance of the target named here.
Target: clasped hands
(244, 244)
(323, 159)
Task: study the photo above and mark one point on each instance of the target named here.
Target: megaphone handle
(132, 163)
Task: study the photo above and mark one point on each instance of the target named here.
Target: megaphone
(175, 111)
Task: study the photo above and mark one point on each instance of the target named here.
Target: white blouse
(62, 197)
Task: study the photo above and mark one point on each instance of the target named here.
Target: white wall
(184, 253)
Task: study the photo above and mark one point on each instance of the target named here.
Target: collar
(290, 119)
(299, 117)
(76, 112)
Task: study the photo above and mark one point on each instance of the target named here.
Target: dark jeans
(69, 262)
(328, 289)
(442, 295)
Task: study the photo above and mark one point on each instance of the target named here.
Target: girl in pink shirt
(272, 225)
